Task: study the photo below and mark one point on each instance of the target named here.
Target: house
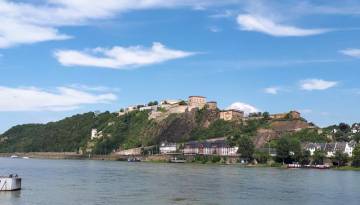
(95, 134)
(131, 108)
(331, 148)
(312, 147)
(166, 148)
(149, 108)
(212, 105)
(219, 147)
(355, 128)
(196, 102)
(229, 115)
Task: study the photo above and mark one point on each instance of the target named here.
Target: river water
(85, 182)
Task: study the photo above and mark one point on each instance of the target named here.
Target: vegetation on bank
(134, 129)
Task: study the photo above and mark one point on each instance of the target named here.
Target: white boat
(10, 183)
(26, 157)
(14, 156)
(176, 160)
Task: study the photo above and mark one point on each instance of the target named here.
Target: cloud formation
(26, 23)
(250, 22)
(246, 108)
(352, 52)
(120, 57)
(317, 84)
(272, 90)
(35, 99)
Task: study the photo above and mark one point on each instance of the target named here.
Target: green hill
(130, 130)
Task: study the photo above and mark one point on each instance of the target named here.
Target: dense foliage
(356, 157)
(65, 135)
(308, 135)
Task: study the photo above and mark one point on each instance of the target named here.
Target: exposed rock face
(289, 125)
(176, 128)
(278, 129)
(263, 136)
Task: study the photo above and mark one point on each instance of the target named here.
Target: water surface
(85, 182)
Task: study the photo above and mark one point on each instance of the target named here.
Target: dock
(10, 183)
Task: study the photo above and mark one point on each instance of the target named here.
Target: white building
(166, 148)
(95, 134)
(219, 147)
(149, 108)
(331, 148)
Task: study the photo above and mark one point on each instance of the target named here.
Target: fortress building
(197, 102)
(229, 115)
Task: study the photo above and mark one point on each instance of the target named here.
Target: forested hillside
(134, 129)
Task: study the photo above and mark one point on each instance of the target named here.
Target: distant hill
(135, 129)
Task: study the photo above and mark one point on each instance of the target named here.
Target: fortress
(162, 110)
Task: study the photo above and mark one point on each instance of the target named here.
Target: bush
(215, 159)
(261, 157)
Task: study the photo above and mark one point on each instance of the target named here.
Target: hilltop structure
(230, 115)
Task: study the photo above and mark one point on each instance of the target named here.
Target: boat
(10, 183)
(293, 166)
(14, 156)
(26, 157)
(325, 166)
(176, 160)
(133, 159)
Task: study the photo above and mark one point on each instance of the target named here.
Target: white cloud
(352, 52)
(243, 107)
(317, 84)
(120, 57)
(272, 90)
(250, 22)
(94, 88)
(25, 22)
(35, 99)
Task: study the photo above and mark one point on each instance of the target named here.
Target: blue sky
(61, 57)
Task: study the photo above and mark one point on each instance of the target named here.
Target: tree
(288, 150)
(266, 115)
(344, 127)
(182, 102)
(356, 137)
(305, 157)
(319, 157)
(152, 103)
(261, 157)
(283, 150)
(246, 147)
(340, 159)
(356, 157)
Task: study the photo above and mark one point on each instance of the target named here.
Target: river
(86, 182)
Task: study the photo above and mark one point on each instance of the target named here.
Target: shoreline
(147, 159)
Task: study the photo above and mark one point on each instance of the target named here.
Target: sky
(63, 57)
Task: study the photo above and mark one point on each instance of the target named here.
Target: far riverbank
(151, 159)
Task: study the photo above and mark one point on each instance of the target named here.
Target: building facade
(95, 134)
(212, 105)
(220, 148)
(167, 148)
(197, 102)
(331, 148)
(230, 115)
